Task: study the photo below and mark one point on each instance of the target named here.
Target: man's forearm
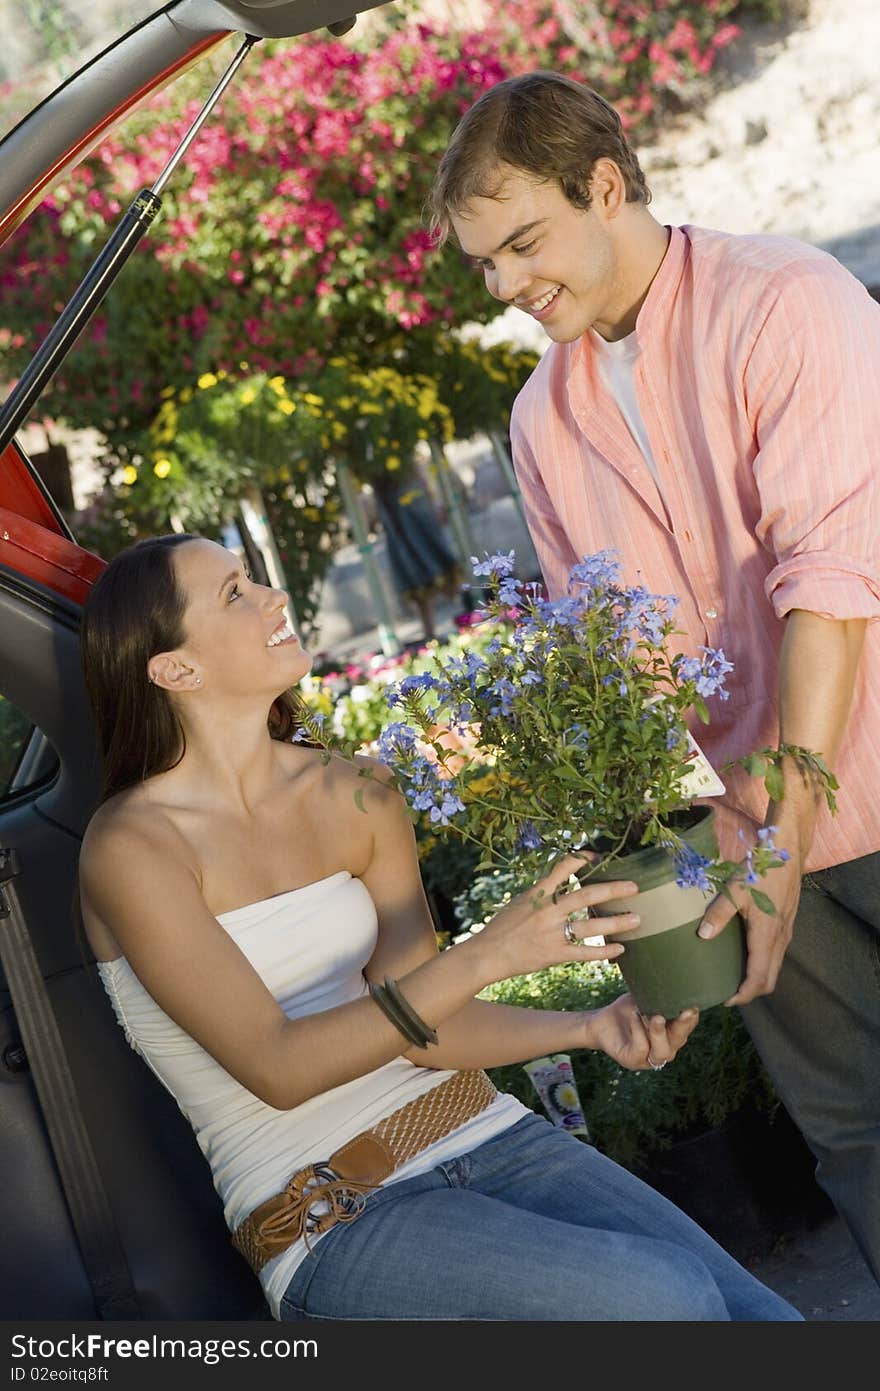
(817, 673)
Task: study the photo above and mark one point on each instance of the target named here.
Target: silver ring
(571, 936)
(656, 1067)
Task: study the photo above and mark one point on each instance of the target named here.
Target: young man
(709, 408)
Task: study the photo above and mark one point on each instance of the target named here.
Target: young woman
(265, 942)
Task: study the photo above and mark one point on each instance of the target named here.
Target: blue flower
(396, 738)
(528, 837)
(506, 693)
(706, 672)
(595, 571)
(691, 867)
(499, 564)
(449, 805)
(510, 593)
(422, 682)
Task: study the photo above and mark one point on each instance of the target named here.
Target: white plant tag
(702, 780)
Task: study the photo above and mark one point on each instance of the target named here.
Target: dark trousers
(818, 1035)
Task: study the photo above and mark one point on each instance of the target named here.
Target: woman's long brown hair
(135, 609)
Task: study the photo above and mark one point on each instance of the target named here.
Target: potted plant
(565, 733)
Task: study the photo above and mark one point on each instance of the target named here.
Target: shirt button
(711, 613)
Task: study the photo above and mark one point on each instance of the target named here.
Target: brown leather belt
(358, 1167)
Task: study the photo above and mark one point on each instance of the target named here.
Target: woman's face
(238, 637)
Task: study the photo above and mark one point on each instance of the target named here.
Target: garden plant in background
(568, 733)
(294, 229)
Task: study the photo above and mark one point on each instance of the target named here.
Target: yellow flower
(392, 463)
(186, 394)
(248, 395)
(206, 380)
(277, 385)
(488, 782)
(311, 399)
(162, 468)
(312, 514)
(166, 392)
(129, 475)
(287, 407)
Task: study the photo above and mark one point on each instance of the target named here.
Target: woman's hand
(545, 924)
(634, 1041)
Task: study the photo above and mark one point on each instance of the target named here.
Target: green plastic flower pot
(666, 966)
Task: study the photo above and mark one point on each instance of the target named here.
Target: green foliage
(477, 385)
(768, 764)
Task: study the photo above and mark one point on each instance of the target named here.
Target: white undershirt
(615, 362)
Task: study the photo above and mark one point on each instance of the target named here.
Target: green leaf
(774, 783)
(761, 900)
(359, 799)
(755, 764)
(565, 773)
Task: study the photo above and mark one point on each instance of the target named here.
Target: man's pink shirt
(758, 381)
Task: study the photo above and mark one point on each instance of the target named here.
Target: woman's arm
(481, 1033)
(137, 877)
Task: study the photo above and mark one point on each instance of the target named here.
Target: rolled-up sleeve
(812, 386)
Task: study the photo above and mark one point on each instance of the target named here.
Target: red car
(107, 1208)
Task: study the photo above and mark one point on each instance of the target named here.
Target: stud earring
(198, 681)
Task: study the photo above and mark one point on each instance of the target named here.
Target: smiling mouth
(282, 634)
(538, 306)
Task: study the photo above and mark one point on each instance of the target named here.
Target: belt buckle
(352, 1203)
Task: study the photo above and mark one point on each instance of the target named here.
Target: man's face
(552, 260)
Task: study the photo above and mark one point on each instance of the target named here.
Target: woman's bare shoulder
(363, 773)
(129, 823)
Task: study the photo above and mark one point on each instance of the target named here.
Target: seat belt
(90, 1211)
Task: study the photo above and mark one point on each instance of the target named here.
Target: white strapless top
(310, 947)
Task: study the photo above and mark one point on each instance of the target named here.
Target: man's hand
(767, 934)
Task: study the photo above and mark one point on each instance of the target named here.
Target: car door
(164, 1207)
(162, 1204)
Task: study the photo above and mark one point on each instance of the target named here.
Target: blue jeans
(818, 1035)
(532, 1225)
